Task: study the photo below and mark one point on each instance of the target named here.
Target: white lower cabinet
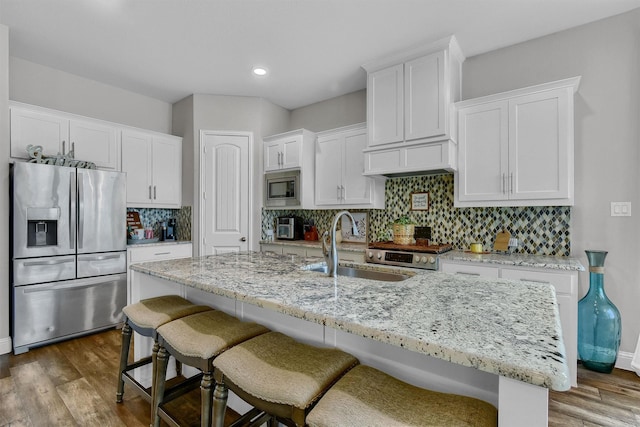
(469, 269)
(565, 283)
(148, 253)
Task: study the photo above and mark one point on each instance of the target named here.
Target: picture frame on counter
(420, 201)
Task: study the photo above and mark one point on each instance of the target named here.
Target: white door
(225, 199)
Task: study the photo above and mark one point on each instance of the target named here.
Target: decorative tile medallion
(542, 230)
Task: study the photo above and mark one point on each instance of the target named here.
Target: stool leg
(124, 359)
(160, 375)
(220, 395)
(206, 399)
(154, 368)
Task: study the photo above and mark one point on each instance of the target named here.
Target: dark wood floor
(73, 384)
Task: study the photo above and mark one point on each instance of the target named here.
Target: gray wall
(606, 54)
(47, 87)
(5, 341)
(182, 119)
(333, 113)
(229, 113)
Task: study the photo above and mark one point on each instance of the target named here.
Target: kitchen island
(494, 339)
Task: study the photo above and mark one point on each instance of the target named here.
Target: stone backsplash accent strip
(540, 230)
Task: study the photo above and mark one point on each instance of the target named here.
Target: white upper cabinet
(284, 151)
(516, 148)
(95, 142)
(339, 179)
(409, 104)
(153, 164)
(89, 140)
(288, 151)
(385, 105)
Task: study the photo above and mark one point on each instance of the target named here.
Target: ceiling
(313, 49)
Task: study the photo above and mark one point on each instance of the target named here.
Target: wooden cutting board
(502, 241)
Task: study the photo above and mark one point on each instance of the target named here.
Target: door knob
(243, 239)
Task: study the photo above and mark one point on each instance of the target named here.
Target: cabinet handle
(162, 253)
(63, 144)
(150, 193)
(72, 153)
(338, 191)
(466, 273)
(154, 193)
(511, 187)
(535, 281)
(342, 188)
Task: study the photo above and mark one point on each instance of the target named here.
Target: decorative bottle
(599, 324)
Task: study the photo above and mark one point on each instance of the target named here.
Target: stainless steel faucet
(331, 252)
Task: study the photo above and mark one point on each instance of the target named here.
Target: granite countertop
(343, 246)
(499, 326)
(519, 260)
(159, 243)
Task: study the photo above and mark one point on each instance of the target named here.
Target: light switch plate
(620, 208)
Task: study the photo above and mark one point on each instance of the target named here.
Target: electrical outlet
(513, 242)
(620, 208)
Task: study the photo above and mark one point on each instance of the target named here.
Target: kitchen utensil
(501, 243)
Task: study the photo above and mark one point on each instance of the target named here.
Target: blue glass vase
(599, 324)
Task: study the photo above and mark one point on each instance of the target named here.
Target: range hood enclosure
(409, 160)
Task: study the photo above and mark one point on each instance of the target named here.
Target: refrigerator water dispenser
(42, 226)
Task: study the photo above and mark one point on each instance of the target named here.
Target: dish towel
(635, 363)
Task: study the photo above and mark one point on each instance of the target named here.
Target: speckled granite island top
(519, 260)
(499, 326)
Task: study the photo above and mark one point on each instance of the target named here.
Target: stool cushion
(153, 312)
(278, 369)
(368, 397)
(205, 335)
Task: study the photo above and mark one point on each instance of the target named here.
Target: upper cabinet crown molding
(516, 148)
(410, 98)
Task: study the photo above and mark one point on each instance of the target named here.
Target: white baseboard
(624, 361)
(5, 345)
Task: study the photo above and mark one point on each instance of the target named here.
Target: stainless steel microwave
(282, 189)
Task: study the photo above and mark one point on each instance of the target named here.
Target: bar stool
(278, 375)
(196, 341)
(145, 317)
(367, 397)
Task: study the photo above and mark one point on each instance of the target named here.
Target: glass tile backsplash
(151, 218)
(542, 230)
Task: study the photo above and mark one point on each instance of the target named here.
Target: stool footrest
(144, 392)
(247, 417)
(181, 388)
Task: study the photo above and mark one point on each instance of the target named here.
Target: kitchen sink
(362, 273)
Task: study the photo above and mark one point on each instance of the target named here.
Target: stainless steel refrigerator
(68, 240)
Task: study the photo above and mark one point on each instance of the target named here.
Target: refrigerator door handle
(72, 210)
(28, 290)
(80, 209)
(102, 257)
(50, 262)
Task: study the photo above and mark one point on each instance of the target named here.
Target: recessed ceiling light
(259, 71)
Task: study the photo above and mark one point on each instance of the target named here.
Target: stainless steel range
(415, 256)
